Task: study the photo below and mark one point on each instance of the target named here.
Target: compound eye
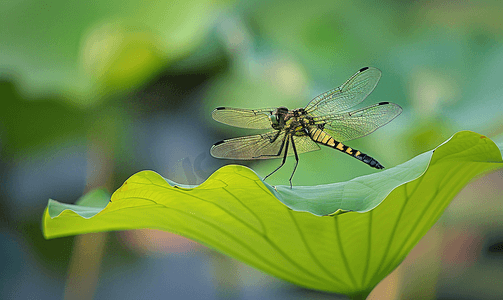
(274, 119)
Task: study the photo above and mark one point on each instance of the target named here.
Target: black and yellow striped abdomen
(320, 136)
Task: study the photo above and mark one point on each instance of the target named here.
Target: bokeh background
(93, 92)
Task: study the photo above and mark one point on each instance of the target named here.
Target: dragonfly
(326, 120)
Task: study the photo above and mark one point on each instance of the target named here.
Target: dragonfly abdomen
(324, 138)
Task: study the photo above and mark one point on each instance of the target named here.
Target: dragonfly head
(278, 117)
(281, 110)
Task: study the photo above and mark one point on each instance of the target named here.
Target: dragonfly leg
(296, 160)
(272, 140)
(285, 141)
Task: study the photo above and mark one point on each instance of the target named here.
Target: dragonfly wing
(260, 146)
(351, 93)
(244, 118)
(359, 123)
(303, 144)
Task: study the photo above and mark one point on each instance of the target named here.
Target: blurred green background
(92, 92)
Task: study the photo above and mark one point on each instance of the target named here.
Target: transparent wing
(358, 123)
(351, 93)
(244, 118)
(260, 146)
(303, 144)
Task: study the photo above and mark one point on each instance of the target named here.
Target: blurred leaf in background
(86, 49)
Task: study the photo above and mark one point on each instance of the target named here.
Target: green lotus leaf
(295, 239)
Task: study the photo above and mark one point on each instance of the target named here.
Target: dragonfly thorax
(297, 122)
(294, 121)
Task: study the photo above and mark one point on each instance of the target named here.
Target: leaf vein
(341, 249)
(306, 245)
